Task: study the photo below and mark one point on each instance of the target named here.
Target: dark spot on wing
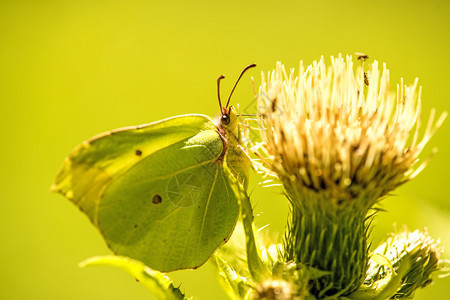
(157, 199)
(135, 225)
(138, 152)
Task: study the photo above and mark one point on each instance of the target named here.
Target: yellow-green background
(72, 69)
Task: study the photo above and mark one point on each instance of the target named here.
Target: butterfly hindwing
(177, 213)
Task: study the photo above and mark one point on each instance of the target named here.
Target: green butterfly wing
(160, 193)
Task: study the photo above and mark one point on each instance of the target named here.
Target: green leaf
(238, 284)
(381, 260)
(159, 284)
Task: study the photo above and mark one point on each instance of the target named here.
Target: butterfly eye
(225, 119)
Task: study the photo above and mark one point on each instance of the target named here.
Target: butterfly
(165, 193)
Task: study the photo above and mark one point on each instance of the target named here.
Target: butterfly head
(228, 117)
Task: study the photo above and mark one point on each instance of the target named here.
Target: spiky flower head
(340, 132)
(413, 256)
(275, 290)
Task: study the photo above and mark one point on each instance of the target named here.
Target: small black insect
(366, 78)
(361, 56)
(274, 104)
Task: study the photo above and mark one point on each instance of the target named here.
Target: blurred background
(72, 69)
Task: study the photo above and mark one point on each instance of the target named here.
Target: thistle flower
(338, 141)
(326, 131)
(417, 250)
(276, 290)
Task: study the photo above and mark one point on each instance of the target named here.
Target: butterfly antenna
(218, 90)
(242, 73)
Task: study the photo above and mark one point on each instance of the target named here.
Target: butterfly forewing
(160, 193)
(92, 166)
